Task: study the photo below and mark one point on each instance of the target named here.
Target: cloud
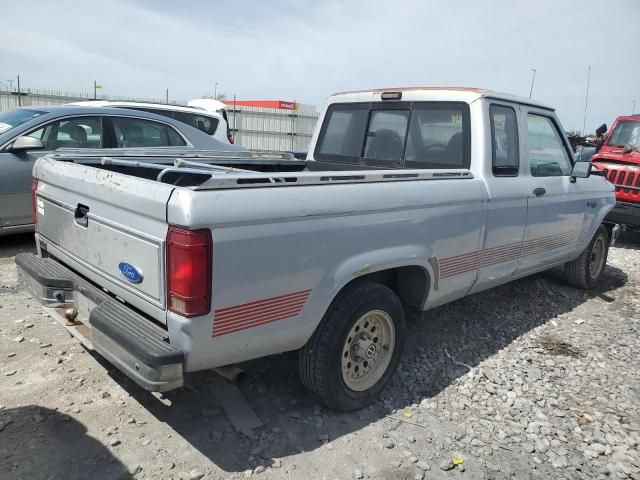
(305, 50)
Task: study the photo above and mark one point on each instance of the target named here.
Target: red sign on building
(279, 104)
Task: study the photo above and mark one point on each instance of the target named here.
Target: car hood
(616, 155)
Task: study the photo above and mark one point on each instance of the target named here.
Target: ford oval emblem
(130, 272)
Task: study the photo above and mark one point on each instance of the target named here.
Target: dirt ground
(534, 379)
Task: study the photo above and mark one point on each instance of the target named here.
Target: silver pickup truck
(410, 198)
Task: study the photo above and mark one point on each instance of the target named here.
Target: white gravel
(530, 380)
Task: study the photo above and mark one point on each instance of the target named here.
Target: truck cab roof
(461, 94)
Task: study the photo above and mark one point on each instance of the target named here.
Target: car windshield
(626, 133)
(13, 118)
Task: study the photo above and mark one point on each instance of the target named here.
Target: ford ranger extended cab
(411, 198)
(619, 158)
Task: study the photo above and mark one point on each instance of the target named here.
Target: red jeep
(618, 156)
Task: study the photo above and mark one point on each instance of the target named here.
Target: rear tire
(355, 349)
(586, 270)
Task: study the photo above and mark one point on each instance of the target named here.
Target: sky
(306, 50)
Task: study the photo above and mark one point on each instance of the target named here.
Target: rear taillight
(34, 187)
(189, 264)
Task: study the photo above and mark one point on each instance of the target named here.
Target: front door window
(548, 156)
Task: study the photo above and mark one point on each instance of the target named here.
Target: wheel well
(411, 283)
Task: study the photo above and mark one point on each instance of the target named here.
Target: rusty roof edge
(481, 92)
(516, 99)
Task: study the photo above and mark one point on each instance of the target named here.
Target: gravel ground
(530, 380)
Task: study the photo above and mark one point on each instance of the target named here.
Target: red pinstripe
(259, 312)
(252, 323)
(231, 316)
(261, 302)
(460, 265)
(467, 262)
(499, 255)
(237, 329)
(267, 311)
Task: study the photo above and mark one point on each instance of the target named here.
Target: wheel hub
(362, 348)
(371, 351)
(367, 350)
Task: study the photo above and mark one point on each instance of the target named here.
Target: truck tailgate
(111, 227)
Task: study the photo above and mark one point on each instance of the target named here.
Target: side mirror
(599, 143)
(580, 170)
(22, 144)
(601, 130)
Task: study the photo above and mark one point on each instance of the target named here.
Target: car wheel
(587, 270)
(351, 355)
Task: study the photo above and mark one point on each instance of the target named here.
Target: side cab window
(505, 151)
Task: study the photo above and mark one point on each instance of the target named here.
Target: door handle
(539, 191)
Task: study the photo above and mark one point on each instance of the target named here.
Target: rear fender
(358, 266)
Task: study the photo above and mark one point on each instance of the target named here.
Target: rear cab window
(386, 136)
(397, 135)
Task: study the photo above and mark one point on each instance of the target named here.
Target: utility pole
(95, 90)
(167, 97)
(586, 100)
(215, 91)
(19, 94)
(633, 107)
(533, 80)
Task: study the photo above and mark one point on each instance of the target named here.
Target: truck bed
(205, 170)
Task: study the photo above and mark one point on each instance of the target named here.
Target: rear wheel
(586, 270)
(351, 355)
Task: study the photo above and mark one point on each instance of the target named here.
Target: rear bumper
(16, 229)
(133, 343)
(625, 213)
